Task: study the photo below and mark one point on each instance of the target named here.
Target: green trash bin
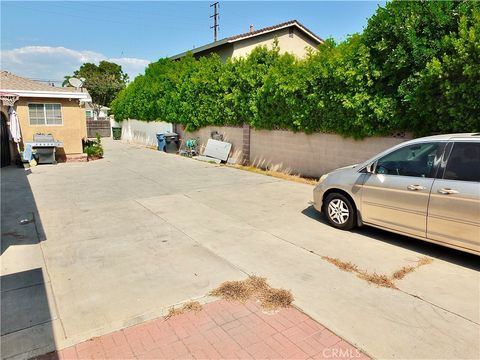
(116, 133)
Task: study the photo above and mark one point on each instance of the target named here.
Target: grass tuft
(342, 265)
(404, 271)
(254, 287)
(273, 299)
(233, 291)
(188, 306)
(257, 284)
(277, 174)
(377, 279)
(192, 306)
(424, 261)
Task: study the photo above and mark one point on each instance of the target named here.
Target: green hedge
(415, 67)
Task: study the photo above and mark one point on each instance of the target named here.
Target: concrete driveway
(124, 238)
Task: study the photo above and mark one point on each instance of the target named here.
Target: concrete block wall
(312, 155)
(296, 153)
(233, 135)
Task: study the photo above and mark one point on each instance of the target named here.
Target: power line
(215, 17)
(59, 9)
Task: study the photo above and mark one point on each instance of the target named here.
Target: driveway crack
(319, 255)
(195, 241)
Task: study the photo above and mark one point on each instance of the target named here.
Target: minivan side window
(464, 162)
(411, 160)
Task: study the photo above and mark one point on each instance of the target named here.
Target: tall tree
(103, 82)
(425, 59)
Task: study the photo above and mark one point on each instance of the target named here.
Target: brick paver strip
(222, 330)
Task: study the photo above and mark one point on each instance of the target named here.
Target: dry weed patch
(342, 265)
(254, 287)
(377, 279)
(273, 299)
(277, 174)
(192, 306)
(400, 274)
(233, 291)
(374, 278)
(188, 306)
(424, 261)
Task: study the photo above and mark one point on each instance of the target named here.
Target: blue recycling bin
(162, 143)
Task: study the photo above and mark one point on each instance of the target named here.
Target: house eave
(296, 24)
(49, 94)
(200, 49)
(237, 38)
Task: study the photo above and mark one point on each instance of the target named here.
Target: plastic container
(171, 143)
(116, 133)
(162, 143)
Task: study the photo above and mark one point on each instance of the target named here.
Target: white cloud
(53, 63)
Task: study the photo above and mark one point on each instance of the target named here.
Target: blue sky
(46, 39)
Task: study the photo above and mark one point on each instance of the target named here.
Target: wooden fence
(102, 127)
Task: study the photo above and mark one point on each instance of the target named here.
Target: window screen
(45, 114)
(53, 114)
(464, 162)
(36, 113)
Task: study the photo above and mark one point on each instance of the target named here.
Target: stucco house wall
(224, 51)
(72, 106)
(292, 37)
(71, 132)
(289, 40)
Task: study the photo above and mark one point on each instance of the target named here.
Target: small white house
(92, 109)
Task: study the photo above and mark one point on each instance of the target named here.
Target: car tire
(339, 211)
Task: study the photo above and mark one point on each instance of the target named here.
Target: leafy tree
(103, 82)
(416, 67)
(425, 59)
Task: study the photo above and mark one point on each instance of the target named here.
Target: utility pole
(215, 17)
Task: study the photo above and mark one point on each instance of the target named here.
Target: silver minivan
(428, 188)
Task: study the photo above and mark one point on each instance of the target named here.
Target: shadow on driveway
(423, 247)
(27, 317)
(18, 210)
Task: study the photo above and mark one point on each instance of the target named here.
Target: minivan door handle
(447, 191)
(415, 187)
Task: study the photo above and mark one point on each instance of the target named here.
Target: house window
(45, 114)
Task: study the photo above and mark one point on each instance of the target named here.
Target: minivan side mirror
(370, 168)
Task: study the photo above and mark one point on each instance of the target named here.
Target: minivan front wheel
(339, 211)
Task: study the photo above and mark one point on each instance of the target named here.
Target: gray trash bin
(171, 143)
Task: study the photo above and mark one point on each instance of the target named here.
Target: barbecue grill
(45, 146)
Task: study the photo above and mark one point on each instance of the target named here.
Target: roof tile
(9, 81)
(270, 28)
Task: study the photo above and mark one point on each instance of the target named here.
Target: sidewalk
(221, 330)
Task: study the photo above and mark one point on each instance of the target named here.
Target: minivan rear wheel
(339, 211)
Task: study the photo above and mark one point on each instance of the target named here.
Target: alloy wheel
(338, 211)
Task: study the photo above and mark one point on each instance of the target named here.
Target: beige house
(292, 37)
(47, 109)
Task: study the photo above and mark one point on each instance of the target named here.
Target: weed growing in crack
(342, 265)
(378, 279)
(188, 306)
(254, 287)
